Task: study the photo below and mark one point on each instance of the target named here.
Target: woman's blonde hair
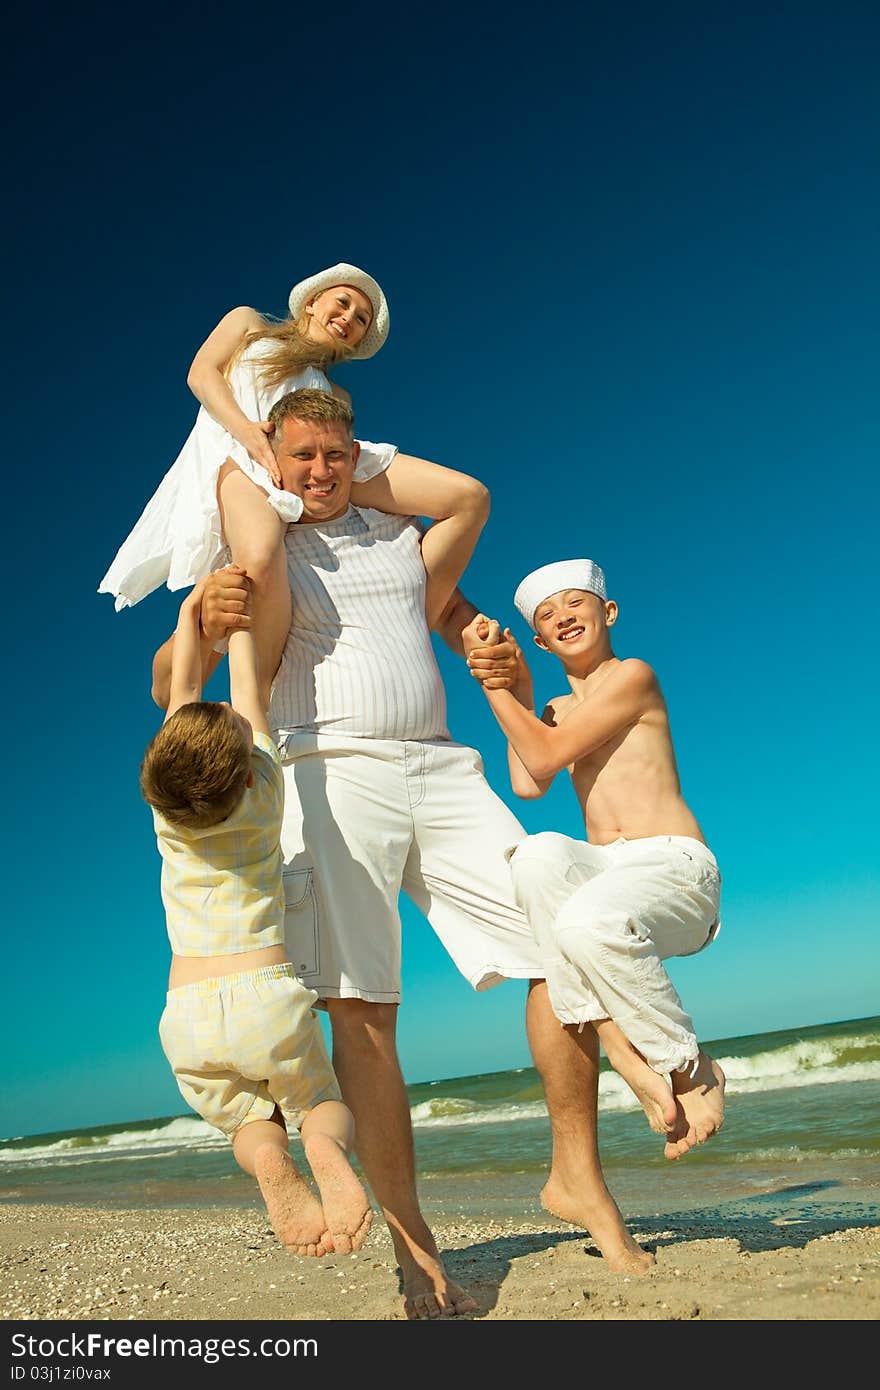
(293, 349)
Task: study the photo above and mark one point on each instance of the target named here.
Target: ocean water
(802, 1116)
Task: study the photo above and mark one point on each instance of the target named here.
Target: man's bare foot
(295, 1214)
(346, 1208)
(700, 1101)
(428, 1292)
(603, 1221)
(651, 1090)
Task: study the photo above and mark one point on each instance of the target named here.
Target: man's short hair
(195, 770)
(315, 407)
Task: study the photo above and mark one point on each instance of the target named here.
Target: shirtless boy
(644, 886)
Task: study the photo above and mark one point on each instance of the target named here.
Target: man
(379, 798)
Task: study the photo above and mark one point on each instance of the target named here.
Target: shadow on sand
(789, 1222)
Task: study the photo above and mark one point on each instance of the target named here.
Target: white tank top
(358, 658)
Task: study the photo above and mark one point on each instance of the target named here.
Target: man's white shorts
(365, 818)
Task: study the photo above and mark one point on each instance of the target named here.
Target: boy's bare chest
(626, 757)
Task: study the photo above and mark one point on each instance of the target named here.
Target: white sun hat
(344, 274)
(552, 579)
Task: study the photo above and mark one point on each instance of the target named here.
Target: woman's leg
(255, 535)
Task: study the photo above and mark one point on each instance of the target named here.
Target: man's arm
(545, 749)
(449, 624)
(448, 545)
(225, 604)
(245, 694)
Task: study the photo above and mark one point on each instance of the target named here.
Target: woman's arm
(208, 384)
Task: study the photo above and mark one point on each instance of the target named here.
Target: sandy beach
(65, 1263)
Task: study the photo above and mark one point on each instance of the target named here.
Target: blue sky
(631, 258)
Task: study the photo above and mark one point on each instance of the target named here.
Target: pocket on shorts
(301, 921)
(701, 882)
(695, 868)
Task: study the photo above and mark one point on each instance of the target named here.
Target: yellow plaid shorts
(241, 1044)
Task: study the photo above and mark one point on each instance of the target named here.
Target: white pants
(365, 818)
(606, 916)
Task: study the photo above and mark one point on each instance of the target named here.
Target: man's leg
(365, 1060)
(568, 1063)
(347, 831)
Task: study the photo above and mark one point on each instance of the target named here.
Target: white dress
(178, 538)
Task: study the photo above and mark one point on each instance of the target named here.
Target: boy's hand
(193, 600)
(225, 602)
(522, 686)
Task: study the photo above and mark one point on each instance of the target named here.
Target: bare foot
(603, 1221)
(295, 1214)
(651, 1090)
(700, 1101)
(346, 1208)
(428, 1292)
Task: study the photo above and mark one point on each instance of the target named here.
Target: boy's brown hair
(195, 770)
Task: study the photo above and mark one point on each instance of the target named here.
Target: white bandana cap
(552, 579)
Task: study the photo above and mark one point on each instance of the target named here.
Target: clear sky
(632, 261)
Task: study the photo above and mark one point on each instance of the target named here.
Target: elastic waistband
(299, 743)
(690, 844)
(686, 842)
(218, 982)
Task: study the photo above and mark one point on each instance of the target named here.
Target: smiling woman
(246, 364)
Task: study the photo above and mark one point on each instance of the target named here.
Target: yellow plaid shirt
(222, 885)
